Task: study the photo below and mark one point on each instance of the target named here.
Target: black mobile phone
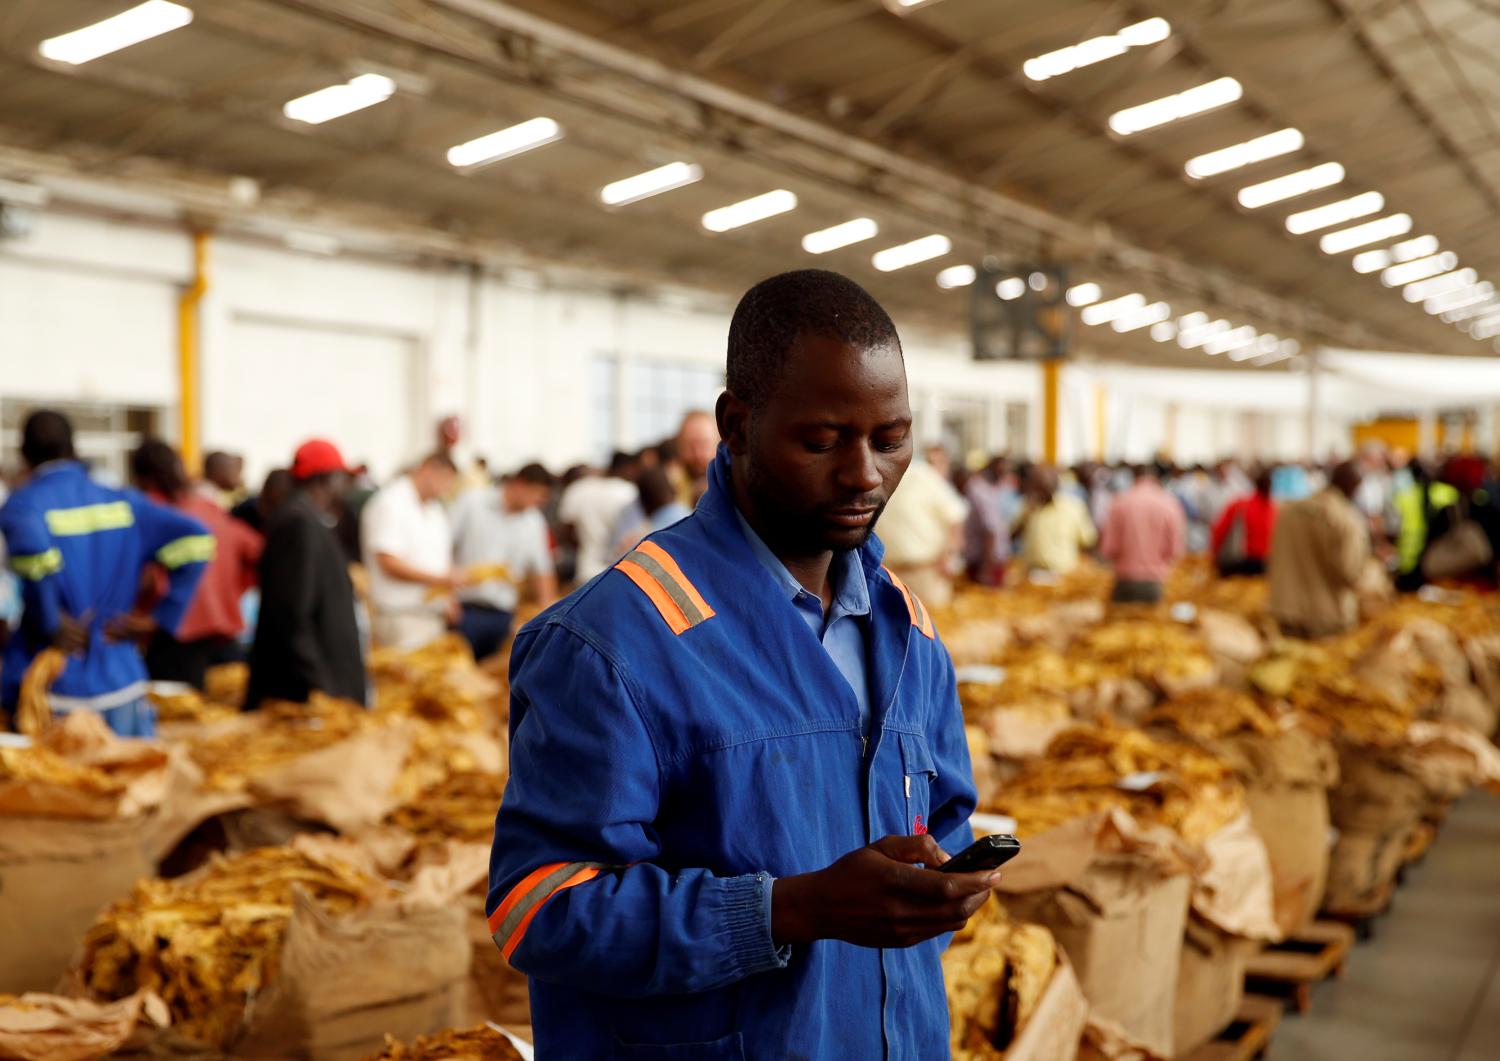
(988, 852)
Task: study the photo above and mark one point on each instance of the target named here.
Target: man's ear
(733, 417)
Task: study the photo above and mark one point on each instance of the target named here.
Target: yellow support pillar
(1169, 444)
(1051, 398)
(189, 423)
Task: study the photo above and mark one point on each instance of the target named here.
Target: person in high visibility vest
(737, 756)
(79, 548)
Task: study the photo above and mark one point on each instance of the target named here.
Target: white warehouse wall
(373, 353)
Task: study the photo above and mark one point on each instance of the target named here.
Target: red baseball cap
(317, 456)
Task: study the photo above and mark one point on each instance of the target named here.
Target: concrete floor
(1427, 986)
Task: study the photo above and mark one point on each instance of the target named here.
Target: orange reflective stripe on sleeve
(669, 565)
(511, 919)
(657, 575)
(914, 607)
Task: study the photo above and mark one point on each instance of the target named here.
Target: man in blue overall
(79, 548)
(737, 754)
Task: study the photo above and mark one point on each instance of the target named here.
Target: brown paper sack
(53, 1028)
(1116, 898)
(1376, 806)
(58, 873)
(1234, 891)
(344, 983)
(1292, 821)
(1056, 1026)
(1210, 985)
(348, 785)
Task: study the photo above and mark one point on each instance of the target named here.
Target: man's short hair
(776, 312)
(157, 464)
(47, 435)
(534, 474)
(439, 460)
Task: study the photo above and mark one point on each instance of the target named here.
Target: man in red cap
(307, 638)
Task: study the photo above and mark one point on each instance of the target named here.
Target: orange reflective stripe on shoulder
(914, 607)
(511, 919)
(657, 575)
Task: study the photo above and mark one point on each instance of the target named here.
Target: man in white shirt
(408, 552)
(921, 528)
(502, 527)
(590, 507)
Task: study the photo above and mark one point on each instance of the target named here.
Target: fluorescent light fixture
(1011, 288)
(1335, 213)
(1096, 49)
(1419, 269)
(1083, 294)
(1346, 239)
(1155, 313)
(1420, 247)
(1173, 108)
(749, 211)
(904, 254)
(1037, 281)
(901, 7)
(1104, 312)
(1267, 344)
(831, 239)
(652, 182)
(1224, 342)
(1164, 331)
(505, 142)
(1292, 185)
(1446, 284)
(1197, 319)
(1198, 334)
(1237, 156)
(140, 23)
(1286, 348)
(1371, 261)
(956, 276)
(335, 101)
(1461, 305)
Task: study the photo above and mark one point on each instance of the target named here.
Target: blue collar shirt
(842, 632)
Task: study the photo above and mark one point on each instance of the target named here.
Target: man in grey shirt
(495, 528)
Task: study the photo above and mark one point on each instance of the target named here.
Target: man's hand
(130, 626)
(878, 897)
(72, 635)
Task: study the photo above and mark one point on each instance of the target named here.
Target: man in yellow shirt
(1054, 528)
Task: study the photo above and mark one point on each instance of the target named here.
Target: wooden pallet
(1362, 917)
(1288, 969)
(1247, 1036)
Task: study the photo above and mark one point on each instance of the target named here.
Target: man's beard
(800, 534)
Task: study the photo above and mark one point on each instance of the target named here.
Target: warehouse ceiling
(920, 116)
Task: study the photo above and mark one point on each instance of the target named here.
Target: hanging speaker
(1019, 313)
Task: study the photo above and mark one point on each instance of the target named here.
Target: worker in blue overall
(79, 548)
(737, 755)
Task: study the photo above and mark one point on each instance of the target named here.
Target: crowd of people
(162, 581)
(1314, 529)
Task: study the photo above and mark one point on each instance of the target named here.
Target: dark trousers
(1244, 567)
(171, 660)
(1130, 591)
(484, 628)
